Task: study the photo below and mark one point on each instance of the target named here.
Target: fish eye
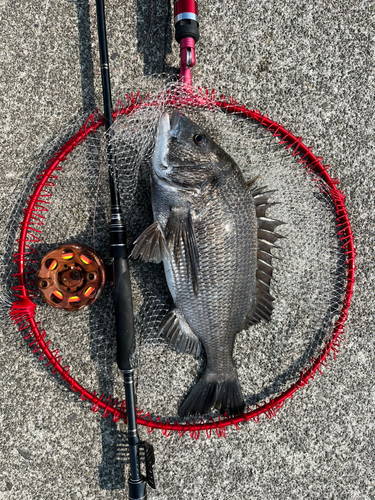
(200, 139)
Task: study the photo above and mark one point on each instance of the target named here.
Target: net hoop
(23, 309)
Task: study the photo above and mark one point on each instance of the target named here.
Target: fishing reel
(71, 277)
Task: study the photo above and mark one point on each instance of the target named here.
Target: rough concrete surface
(307, 64)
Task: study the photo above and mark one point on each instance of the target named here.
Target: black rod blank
(121, 277)
(103, 49)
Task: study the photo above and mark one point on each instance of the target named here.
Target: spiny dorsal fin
(269, 224)
(266, 246)
(263, 303)
(269, 236)
(257, 192)
(264, 256)
(264, 294)
(265, 267)
(252, 181)
(264, 277)
(261, 208)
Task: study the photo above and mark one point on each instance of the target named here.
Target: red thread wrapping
(23, 309)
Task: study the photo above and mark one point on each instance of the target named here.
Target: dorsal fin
(251, 181)
(262, 304)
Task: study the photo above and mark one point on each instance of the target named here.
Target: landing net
(68, 201)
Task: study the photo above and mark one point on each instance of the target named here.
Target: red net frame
(23, 309)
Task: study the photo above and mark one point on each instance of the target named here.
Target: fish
(212, 234)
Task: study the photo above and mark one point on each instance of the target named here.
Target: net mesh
(312, 284)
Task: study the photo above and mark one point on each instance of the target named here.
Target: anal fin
(175, 330)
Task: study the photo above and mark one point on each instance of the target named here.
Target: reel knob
(71, 277)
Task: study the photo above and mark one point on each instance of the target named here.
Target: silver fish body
(206, 234)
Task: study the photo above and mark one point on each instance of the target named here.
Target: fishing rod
(187, 33)
(122, 297)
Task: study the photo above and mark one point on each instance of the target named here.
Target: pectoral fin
(182, 243)
(178, 333)
(151, 245)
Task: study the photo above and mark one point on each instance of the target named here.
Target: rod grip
(123, 305)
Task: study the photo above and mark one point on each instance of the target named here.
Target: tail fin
(225, 395)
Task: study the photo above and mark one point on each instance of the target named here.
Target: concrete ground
(308, 65)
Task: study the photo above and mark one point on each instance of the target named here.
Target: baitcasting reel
(71, 277)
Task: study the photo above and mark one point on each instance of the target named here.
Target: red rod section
(187, 34)
(185, 9)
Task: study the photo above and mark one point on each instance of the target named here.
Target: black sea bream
(206, 229)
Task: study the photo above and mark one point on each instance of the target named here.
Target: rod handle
(123, 305)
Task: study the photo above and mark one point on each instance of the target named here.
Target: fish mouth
(160, 158)
(175, 123)
(167, 129)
